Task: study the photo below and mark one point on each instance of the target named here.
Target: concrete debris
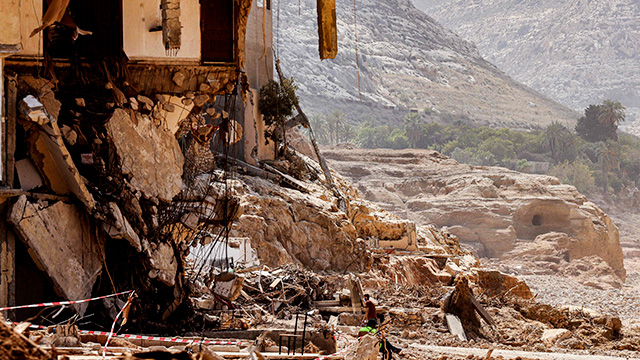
(228, 286)
(53, 160)
(150, 155)
(496, 284)
(178, 78)
(16, 346)
(164, 263)
(72, 265)
(121, 228)
(459, 303)
(28, 175)
(43, 90)
(70, 135)
(33, 109)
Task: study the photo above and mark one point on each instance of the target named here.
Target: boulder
(552, 336)
(365, 349)
(288, 226)
(496, 284)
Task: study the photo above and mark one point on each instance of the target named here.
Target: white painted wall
(142, 15)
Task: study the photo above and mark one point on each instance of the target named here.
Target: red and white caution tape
(125, 308)
(145, 337)
(168, 339)
(56, 303)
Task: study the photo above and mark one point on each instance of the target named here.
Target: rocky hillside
(407, 60)
(500, 213)
(578, 52)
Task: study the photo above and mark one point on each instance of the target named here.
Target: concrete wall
(9, 24)
(252, 123)
(30, 17)
(141, 16)
(259, 68)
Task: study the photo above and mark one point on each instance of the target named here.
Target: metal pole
(304, 330)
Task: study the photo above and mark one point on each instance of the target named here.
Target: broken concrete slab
(33, 110)
(53, 160)
(149, 154)
(44, 92)
(28, 175)
(121, 228)
(62, 241)
(455, 326)
(165, 265)
(228, 286)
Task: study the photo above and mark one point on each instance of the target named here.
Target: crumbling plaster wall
(30, 15)
(10, 26)
(139, 17)
(258, 46)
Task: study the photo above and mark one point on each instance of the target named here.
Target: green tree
(608, 158)
(611, 115)
(413, 128)
(336, 123)
(501, 148)
(319, 124)
(600, 122)
(276, 103)
(554, 138)
(371, 136)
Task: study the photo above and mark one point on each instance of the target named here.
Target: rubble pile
(215, 247)
(14, 345)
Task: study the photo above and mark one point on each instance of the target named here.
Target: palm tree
(336, 121)
(319, 125)
(555, 138)
(413, 128)
(608, 156)
(611, 115)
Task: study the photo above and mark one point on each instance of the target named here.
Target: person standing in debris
(386, 349)
(371, 310)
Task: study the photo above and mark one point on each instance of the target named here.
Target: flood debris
(139, 172)
(14, 345)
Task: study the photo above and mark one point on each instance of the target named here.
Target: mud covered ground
(553, 289)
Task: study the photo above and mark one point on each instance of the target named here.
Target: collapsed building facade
(121, 124)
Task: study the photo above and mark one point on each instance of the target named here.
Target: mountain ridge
(407, 60)
(577, 52)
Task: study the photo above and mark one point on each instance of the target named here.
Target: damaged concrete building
(113, 115)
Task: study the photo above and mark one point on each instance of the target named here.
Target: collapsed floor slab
(61, 240)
